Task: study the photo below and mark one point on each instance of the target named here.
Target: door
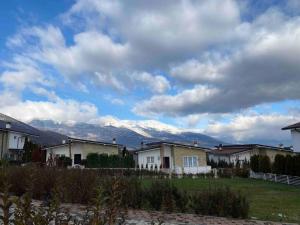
(77, 158)
(166, 162)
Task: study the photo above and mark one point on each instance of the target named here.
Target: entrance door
(77, 158)
(166, 162)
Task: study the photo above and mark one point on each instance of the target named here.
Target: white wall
(296, 140)
(15, 140)
(142, 158)
(241, 156)
(217, 158)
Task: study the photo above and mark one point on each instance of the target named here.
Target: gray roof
(17, 126)
(290, 127)
(155, 145)
(77, 140)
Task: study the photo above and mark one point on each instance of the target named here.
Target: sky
(229, 69)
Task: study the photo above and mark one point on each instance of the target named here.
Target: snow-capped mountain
(126, 133)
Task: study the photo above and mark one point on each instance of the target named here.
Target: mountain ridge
(53, 133)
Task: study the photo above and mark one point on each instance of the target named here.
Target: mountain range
(128, 134)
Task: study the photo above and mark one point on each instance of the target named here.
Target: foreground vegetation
(268, 201)
(233, 197)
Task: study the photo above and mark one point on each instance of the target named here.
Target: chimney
(8, 125)
(195, 143)
(220, 147)
(114, 141)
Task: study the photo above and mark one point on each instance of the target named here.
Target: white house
(13, 134)
(295, 133)
(173, 158)
(78, 149)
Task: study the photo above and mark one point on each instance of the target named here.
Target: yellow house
(243, 152)
(78, 149)
(173, 157)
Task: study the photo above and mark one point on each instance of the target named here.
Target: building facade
(173, 158)
(13, 134)
(233, 154)
(295, 133)
(78, 149)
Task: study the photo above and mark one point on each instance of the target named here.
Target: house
(173, 157)
(242, 153)
(295, 132)
(13, 134)
(78, 149)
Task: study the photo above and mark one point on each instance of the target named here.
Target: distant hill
(130, 135)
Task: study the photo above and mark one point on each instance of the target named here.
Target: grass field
(268, 201)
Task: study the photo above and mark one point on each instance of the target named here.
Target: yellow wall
(100, 149)
(4, 136)
(272, 153)
(181, 151)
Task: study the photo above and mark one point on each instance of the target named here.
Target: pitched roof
(232, 149)
(77, 140)
(293, 126)
(17, 126)
(155, 145)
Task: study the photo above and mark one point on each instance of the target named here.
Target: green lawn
(268, 200)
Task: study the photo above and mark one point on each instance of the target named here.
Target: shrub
(241, 172)
(220, 202)
(163, 195)
(254, 163)
(95, 160)
(279, 165)
(264, 164)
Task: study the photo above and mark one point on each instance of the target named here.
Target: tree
(30, 150)
(289, 165)
(279, 165)
(264, 164)
(254, 163)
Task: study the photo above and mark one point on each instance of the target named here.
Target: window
(150, 159)
(190, 161)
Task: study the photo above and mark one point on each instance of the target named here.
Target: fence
(283, 179)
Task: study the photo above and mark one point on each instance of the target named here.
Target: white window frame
(150, 159)
(190, 161)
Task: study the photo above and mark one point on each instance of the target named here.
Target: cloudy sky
(229, 69)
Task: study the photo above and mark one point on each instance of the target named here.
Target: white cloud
(264, 70)
(252, 128)
(59, 110)
(186, 102)
(156, 83)
(193, 71)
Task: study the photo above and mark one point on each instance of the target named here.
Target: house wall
(296, 140)
(217, 158)
(272, 153)
(180, 152)
(242, 156)
(16, 140)
(142, 158)
(82, 148)
(3, 144)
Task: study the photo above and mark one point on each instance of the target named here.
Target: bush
(279, 165)
(95, 160)
(241, 172)
(220, 202)
(162, 195)
(264, 164)
(254, 163)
